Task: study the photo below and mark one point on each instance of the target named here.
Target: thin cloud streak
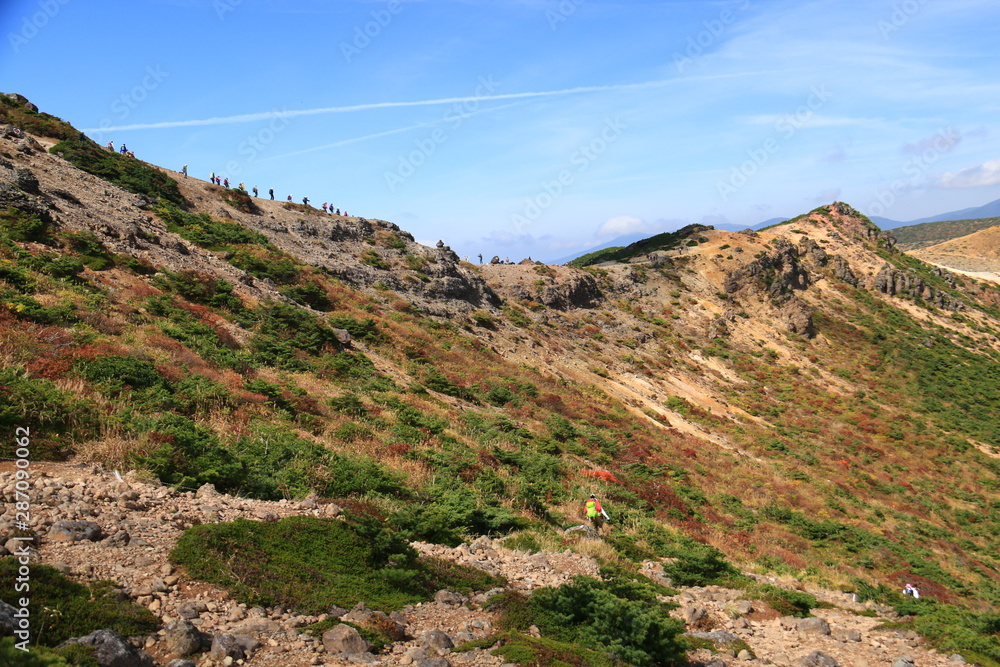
(354, 140)
(265, 115)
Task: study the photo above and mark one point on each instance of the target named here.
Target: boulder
(437, 639)
(224, 646)
(178, 662)
(450, 598)
(192, 609)
(817, 659)
(813, 626)
(182, 638)
(345, 639)
(112, 650)
(693, 614)
(359, 614)
(75, 531)
(904, 662)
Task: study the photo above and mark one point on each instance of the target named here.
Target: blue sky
(537, 127)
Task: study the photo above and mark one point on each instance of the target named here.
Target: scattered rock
(817, 659)
(75, 531)
(224, 646)
(437, 639)
(182, 638)
(813, 626)
(345, 639)
(112, 650)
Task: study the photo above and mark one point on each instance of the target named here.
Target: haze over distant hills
(989, 210)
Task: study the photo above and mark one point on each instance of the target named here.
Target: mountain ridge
(757, 394)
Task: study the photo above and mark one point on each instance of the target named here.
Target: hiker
(218, 180)
(595, 512)
(184, 170)
(338, 211)
(324, 207)
(111, 146)
(271, 192)
(480, 258)
(289, 198)
(225, 182)
(243, 187)
(911, 590)
(305, 201)
(255, 191)
(123, 150)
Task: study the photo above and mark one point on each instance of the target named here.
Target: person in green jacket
(595, 512)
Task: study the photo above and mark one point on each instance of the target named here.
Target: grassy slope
(873, 478)
(927, 234)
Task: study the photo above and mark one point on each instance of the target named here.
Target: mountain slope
(806, 399)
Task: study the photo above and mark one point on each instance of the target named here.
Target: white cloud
(621, 225)
(987, 173)
(827, 196)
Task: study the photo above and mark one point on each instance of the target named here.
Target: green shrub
(309, 564)
(125, 172)
(592, 613)
(364, 330)
(201, 288)
(92, 251)
(19, 225)
(14, 112)
(203, 230)
(373, 259)
(240, 200)
(185, 454)
(62, 608)
(308, 293)
(118, 373)
(266, 264)
(66, 266)
(285, 332)
(56, 417)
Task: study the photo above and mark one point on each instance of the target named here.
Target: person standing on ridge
(225, 182)
(255, 191)
(305, 201)
(480, 258)
(289, 197)
(271, 192)
(184, 170)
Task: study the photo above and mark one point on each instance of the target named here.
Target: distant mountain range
(990, 210)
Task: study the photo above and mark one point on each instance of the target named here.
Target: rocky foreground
(97, 525)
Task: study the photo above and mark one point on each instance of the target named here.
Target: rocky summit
(252, 432)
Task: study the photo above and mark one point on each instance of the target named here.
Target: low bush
(129, 173)
(634, 628)
(55, 417)
(62, 608)
(117, 373)
(309, 564)
(19, 225)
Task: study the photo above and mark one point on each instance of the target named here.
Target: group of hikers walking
(224, 182)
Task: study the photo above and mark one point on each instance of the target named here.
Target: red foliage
(600, 474)
(397, 449)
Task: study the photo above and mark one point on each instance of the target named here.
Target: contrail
(266, 115)
(354, 140)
